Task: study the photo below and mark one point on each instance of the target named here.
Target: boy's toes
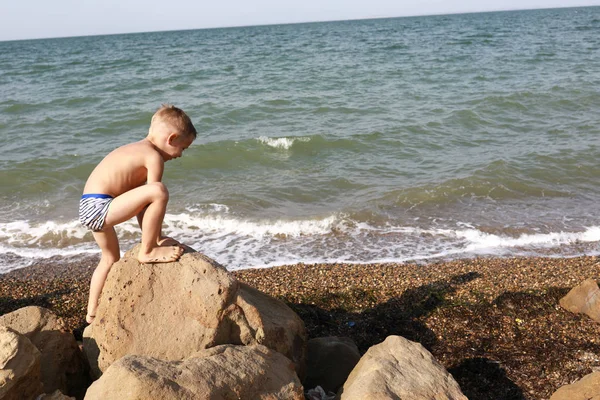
(177, 251)
(161, 254)
(90, 318)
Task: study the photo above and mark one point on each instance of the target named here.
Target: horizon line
(295, 23)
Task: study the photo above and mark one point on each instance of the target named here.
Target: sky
(31, 19)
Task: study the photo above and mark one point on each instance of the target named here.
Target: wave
(13, 107)
(218, 154)
(279, 102)
(76, 82)
(478, 240)
(239, 242)
(396, 46)
(20, 108)
(347, 110)
(23, 234)
(499, 180)
(282, 143)
(220, 224)
(209, 219)
(528, 105)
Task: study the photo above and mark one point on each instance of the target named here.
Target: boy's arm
(155, 167)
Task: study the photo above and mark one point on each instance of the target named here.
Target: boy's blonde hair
(175, 117)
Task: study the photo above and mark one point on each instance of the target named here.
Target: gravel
(494, 323)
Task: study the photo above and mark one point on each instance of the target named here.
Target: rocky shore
(495, 324)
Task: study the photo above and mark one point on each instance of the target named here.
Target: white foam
(24, 233)
(27, 256)
(245, 242)
(281, 143)
(478, 240)
(211, 207)
(253, 228)
(33, 253)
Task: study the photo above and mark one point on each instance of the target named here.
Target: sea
(385, 140)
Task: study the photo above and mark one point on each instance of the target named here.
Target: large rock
(222, 372)
(62, 362)
(329, 361)
(587, 388)
(19, 367)
(583, 299)
(169, 311)
(57, 395)
(400, 369)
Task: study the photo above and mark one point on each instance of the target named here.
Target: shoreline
(494, 323)
(79, 264)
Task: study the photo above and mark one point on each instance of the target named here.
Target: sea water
(404, 139)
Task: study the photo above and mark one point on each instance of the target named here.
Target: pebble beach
(494, 323)
(431, 177)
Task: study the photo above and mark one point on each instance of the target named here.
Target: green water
(376, 140)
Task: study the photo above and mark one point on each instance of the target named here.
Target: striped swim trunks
(93, 209)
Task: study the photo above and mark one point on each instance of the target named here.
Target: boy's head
(174, 120)
(172, 131)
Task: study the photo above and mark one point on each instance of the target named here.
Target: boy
(127, 183)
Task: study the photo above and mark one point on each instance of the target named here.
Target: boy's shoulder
(142, 149)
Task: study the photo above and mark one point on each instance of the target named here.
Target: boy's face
(177, 143)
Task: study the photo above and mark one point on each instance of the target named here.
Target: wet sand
(494, 323)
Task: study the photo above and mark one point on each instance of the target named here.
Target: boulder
(257, 318)
(587, 388)
(583, 299)
(399, 369)
(57, 395)
(222, 372)
(171, 310)
(19, 367)
(329, 361)
(62, 365)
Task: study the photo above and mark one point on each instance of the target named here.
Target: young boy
(127, 183)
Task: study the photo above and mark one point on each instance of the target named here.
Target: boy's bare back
(125, 168)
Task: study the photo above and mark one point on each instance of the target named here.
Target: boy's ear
(172, 137)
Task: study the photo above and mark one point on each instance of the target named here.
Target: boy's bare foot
(167, 241)
(161, 254)
(90, 318)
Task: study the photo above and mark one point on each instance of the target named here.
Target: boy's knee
(160, 190)
(108, 260)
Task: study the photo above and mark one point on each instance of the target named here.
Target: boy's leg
(109, 244)
(162, 240)
(151, 199)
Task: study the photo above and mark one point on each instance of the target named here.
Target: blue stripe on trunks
(96, 196)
